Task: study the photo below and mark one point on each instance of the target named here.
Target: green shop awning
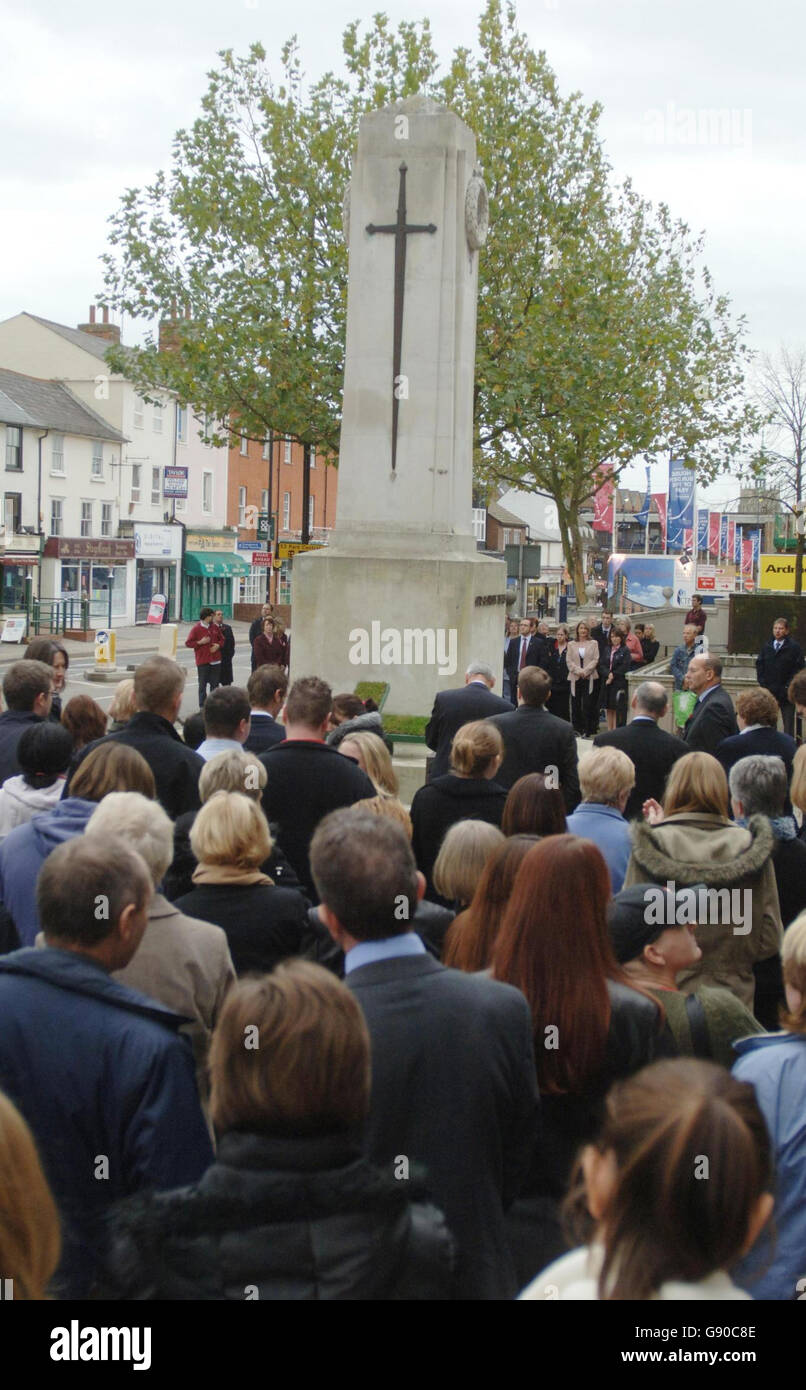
(215, 564)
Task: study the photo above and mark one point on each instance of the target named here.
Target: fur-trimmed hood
(697, 848)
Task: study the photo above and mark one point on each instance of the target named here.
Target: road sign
(261, 558)
(265, 527)
(287, 549)
(105, 647)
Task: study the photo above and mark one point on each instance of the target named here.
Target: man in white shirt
(226, 721)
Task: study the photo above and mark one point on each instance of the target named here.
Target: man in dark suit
(306, 777)
(651, 750)
(778, 661)
(266, 688)
(713, 718)
(159, 684)
(453, 1073)
(453, 708)
(757, 715)
(536, 741)
(528, 649)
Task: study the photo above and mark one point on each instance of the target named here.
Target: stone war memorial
(401, 594)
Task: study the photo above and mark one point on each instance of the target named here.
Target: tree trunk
(572, 549)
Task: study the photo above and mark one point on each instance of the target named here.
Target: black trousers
(209, 675)
(585, 710)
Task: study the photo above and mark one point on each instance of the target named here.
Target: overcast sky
(91, 96)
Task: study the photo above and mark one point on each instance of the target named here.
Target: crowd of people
(268, 1031)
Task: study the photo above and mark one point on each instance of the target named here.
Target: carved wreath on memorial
(477, 212)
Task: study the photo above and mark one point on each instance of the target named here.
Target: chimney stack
(109, 331)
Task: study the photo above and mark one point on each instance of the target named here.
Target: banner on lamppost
(680, 515)
(702, 528)
(723, 537)
(603, 503)
(713, 534)
(660, 499)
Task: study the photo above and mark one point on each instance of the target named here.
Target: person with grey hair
(99, 1071)
(651, 749)
(182, 961)
(453, 708)
(758, 787)
(453, 1073)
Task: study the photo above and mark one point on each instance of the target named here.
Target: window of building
(137, 470)
(57, 454)
(480, 523)
(208, 425)
(286, 511)
(241, 506)
(284, 583)
(266, 450)
(181, 424)
(180, 504)
(312, 455)
(156, 423)
(86, 518)
(12, 513)
(311, 510)
(264, 500)
(253, 585)
(106, 518)
(14, 448)
(56, 515)
(156, 487)
(207, 492)
(97, 459)
(286, 451)
(138, 412)
(244, 446)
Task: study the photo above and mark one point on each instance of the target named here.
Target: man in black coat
(159, 684)
(528, 649)
(227, 649)
(536, 741)
(267, 688)
(652, 751)
(28, 693)
(256, 627)
(778, 661)
(714, 717)
(453, 708)
(306, 778)
(453, 1073)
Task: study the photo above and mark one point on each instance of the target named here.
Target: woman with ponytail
(676, 1189)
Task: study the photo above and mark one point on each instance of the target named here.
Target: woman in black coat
(467, 792)
(227, 649)
(559, 701)
(290, 1209)
(613, 668)
(263, 924)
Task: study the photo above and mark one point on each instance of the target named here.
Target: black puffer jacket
(369, 723)
(301, 1219)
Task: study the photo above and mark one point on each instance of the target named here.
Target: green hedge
(373, 690)
(410, 725)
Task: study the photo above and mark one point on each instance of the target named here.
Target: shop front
(211, 579)
(98, 571)
(19, 577)
(158, 551)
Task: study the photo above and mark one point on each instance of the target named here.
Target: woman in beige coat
(692, 843)
(583, 670)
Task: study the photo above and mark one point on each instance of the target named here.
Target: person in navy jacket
(99, 1071)
(778, 661)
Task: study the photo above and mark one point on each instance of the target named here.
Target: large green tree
(601, 338)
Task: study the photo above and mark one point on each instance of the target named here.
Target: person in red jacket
(697, 615)
(207, 641)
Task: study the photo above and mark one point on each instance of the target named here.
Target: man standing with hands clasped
(776, 664)
(207, 641)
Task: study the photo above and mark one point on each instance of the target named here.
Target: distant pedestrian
(778, 661)
(227, 649)
(256, 627)
(206, 641)
(696, 614)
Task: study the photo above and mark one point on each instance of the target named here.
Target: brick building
(254, 468)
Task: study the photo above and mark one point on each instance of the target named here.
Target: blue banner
(738, 534)
(642, 517)
(702, 529)
(681, 503)
(723, 538)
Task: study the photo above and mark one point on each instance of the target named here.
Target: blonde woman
(468, 792)
(374, 758)
(583, 669)
(30, 1240)
(690, 840)
(232, 771)
(123, 706)
(463, 858)
(263, 923)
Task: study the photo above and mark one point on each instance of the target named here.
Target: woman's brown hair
(471, 937)
(533, 808)
(668, 1217)
(290, 1055)
(84, 720)
(474, 747)
(697, 782)
(30, 1240)
(554, 945)
(112, 767)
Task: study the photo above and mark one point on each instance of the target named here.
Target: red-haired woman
(471, 936)
(591, 1026)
